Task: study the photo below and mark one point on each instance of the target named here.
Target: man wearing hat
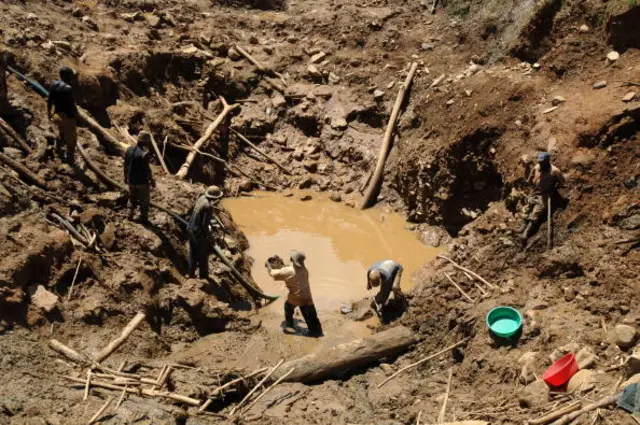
(546, 179)
(200, 230)
(62, 111)
(385, 275)
(137, 174)
(296, 278)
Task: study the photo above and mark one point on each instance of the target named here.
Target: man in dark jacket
(137, 174)
(62, 111)
(200, 231)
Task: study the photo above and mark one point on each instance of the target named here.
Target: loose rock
(600, 85)
(278, 101)
(613, 56)
(378, 94)
(314, 72)
(584, 28)
(153, 21)
(44, 299)
(558, 100)
(629, 96)
(89, 22)
(633, 362)
(317, 58)
(233, 54)
(336, 197)
(583, 380)
(624, 336)
(427, 46)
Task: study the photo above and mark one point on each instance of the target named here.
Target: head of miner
(144, 138)
(544, 160)
(213, 193)
(297, 259)
(67, 74)
(375, 278)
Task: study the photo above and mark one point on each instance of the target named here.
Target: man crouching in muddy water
(386, 275)
(546, 179)
(296, 278)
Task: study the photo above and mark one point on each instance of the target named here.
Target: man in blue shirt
(386, 275)
(137, 174)
(62, 111)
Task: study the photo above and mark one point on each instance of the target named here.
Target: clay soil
(517, 77)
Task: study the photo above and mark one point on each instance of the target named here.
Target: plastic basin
(561, 371)
(504, 321)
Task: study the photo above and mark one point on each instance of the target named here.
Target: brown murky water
(340, 243)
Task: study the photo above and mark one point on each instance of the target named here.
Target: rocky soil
(497, 81)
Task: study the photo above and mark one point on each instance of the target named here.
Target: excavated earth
(497, 82)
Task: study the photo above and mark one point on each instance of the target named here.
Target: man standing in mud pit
(200, 232)
(546, 179)
(386, 275)
(296, 278)
(62, 111)
(137, 174)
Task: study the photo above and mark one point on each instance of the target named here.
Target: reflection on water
(340, 243)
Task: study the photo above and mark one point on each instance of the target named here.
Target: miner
(137, 174)
(385, 275)
(200, 232)
(62, 111)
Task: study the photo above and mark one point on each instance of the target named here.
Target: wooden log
(606, 401)
(126, 332)
(260, 151)
(12, 134)
(419, 362)
(104, 407)
(464, 294)
(254, 389)
(282, 378)
(143, 391)
(464, 269)
(106, 139)
(69, 353)
(372, 191)
(333, 361)
(226, 108)
(23, 172)
(102, 176)
(552, 416)
(159, 154)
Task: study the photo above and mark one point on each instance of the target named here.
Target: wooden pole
(12, 134)
(464, 269)
(260, 151)
(549, 225)
(159, 154)
(371, 192)
(23, 171)
(419, 362)
(105, 138)
(606, 401)
(551, 416)
(226, 108)
(443, 411)
(113, 345)
(282, 378)
(471, 300)
(95, 417)
(254, 389)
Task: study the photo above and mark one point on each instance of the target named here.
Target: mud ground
(497, 80)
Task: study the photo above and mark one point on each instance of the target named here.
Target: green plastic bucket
(504, 321)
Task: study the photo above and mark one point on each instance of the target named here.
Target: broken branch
(372, 191)
(95, 417)
(419, 362)
(260, 151)
(227, 385)
(464, 269)
(282, 378)
(446, 398)
(12, 134)
(126, 332)
(254, 389)
(23, 171)
(159, 154)
(606, 401)
(263, 69)
(471, 300)
(73, 282)
(555, 414)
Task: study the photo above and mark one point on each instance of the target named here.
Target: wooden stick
(12, 134)
(226, 108)
(606, 401)
(254, 389)
(72, 230)
(98, 172)
(282, 378)
(419, 362)
(121, 399)
(160, 375)
(260, 151)
(113, 345)
(158, 154)
(549, 225)
(122, 366)
(446, 398)
(73, 282)
(105, 138)
(263, 69)
(87, 386)
(433, 6)
(227, 385)
(144, 391)
(471, 300)
(464, 269)
(23, 171)
(69, 353)
(165, 376)
(555, 414)
(370, 194)
(95, 417)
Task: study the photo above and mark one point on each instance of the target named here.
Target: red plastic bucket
(561, 371)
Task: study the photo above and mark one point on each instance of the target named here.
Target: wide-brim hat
(297, 258)
(213, 193)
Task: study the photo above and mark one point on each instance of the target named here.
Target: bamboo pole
(260, 151)
(371, 192)
(126, 332)
(471, 300)
(226, 108)
(464, 269)
(159, 154)
(419, 362)
(254, 389)
(282, 378)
